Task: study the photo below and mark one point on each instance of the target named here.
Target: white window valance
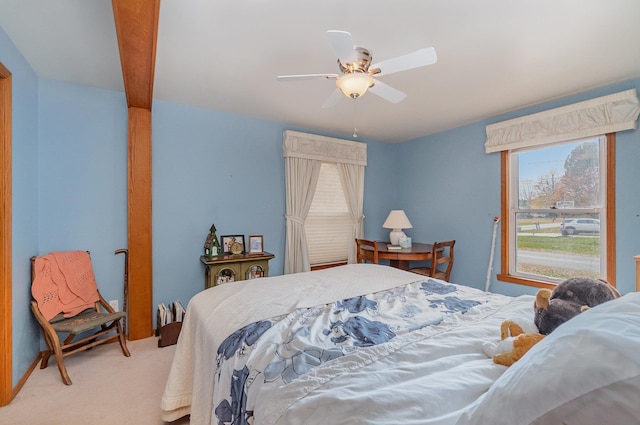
(602, 115)
(321, 148)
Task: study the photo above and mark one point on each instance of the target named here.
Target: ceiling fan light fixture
(354, 84)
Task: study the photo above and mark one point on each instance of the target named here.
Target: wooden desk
(400, 258)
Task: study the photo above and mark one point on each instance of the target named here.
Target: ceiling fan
(358, 73)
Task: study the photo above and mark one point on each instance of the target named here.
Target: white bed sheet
(215, 313)
(436, 375)
(429, 377)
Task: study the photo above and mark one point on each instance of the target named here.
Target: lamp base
(395, 235)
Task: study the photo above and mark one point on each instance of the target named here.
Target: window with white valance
(304, 156)
(558, 180)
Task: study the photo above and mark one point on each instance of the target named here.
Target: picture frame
(229, 240)
(256, 244)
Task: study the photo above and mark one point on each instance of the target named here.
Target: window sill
(527, 282)
(327, 266)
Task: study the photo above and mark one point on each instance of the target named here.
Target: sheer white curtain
(304, 154)
(352, 177)
(301, 177)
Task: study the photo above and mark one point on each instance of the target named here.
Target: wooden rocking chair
(61, 276)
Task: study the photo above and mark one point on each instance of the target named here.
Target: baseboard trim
(26, 375)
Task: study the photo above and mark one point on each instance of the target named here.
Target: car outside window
(573, 227)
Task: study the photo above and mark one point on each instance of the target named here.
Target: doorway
(5, 238)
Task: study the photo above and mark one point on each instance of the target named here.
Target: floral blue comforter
(267, 354)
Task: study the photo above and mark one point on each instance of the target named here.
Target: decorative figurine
(211, 244)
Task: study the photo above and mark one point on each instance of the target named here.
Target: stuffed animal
(515, 327)
(551, 309)
(516, 338)
(510, 350)
(568, 299)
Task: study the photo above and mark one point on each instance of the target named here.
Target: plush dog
(568, 299)
(510, 350)
(516, 338)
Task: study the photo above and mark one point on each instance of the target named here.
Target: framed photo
(256, 243)
(233, 244)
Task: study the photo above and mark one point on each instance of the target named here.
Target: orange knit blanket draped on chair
(64, 283)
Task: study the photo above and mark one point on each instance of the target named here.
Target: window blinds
(329, 225)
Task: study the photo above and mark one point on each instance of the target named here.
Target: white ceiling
(494, 56)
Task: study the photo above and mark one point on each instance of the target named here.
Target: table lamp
(397, 220)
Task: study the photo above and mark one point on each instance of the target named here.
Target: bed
(370, 344)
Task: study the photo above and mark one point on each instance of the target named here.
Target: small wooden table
(400, 258)
(228, 268)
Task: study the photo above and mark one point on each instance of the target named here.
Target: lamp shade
(397, 219)
(354, 84)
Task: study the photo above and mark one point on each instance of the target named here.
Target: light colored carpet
(108, 389)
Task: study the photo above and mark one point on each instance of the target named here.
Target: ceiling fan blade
(307, 77)
(422, 57)
(387, 92)
(333, 99)
(342, 44)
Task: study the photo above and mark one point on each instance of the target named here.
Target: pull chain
(355, 128)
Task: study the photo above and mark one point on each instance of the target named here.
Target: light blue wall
(381, 188)
(83, 176)
(24, 201)
(211, 168)
(452, 190)
(228, 170)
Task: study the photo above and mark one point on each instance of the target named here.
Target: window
(342, 163)
(329, 226)
(558, 212)
(583, 188)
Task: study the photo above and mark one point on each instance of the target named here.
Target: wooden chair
(366, 251)
(442, 253)
(98, 315)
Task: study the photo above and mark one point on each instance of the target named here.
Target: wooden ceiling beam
(137, 30)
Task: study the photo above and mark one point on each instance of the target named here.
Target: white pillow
(587, 371)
